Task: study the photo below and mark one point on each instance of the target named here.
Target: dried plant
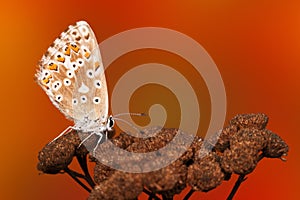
(239, 148)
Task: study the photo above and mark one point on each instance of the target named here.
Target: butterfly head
(110, 123)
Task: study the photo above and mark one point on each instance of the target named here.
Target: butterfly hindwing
(90, 90)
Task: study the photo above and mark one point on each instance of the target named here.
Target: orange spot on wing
(97, 64)
(67, 51)
(61, 59)
(52, 66)
(87, 54)
(46, 80)
(74, 48)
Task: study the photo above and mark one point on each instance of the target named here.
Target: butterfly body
(72, 75)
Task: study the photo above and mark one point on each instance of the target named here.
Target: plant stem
(74, 175)
(236, 186)
(83, 164)
(151, 195)
(164, 197)
(189, 194)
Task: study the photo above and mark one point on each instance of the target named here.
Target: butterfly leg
(99, 140)
(85, 139)
(62, 133)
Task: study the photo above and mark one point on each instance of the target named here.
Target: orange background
(255, 45)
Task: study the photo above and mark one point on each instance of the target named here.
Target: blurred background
(254, 44)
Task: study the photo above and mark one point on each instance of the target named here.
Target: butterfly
(71, 73)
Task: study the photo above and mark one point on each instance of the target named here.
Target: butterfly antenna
(132, 114)
(128, 123)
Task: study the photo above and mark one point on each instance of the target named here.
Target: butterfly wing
(90, 97)
(63, 74)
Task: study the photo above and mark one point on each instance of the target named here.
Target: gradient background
(255, 45)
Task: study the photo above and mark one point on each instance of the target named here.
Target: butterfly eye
(110, 122)
(70, 73)
(90, 73)
(58, 98)
(67, 82)
(96, 100)
(97, 84)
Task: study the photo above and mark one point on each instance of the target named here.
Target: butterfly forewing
(71, 72)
